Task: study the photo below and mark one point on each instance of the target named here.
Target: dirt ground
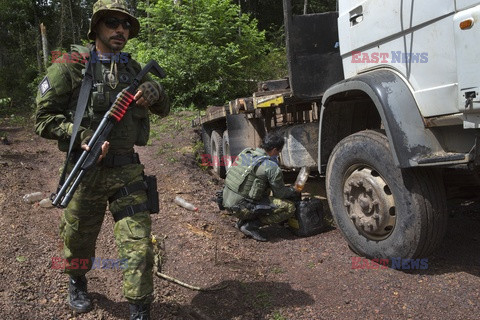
(285, 278)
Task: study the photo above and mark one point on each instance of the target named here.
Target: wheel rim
(369, 202)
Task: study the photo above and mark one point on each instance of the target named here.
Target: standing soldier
(117, 179)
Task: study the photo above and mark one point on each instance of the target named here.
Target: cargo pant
(283, 210)
(82, 221)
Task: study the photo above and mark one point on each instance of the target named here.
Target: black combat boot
(239, 223)
(77, 294)
(139, 311)
(252, 229)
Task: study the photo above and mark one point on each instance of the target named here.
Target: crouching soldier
(246, 194)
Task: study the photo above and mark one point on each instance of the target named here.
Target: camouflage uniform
(82, 219)
(264, 177)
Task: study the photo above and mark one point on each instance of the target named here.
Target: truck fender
(398, 110)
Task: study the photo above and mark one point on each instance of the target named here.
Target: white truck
(382, 97)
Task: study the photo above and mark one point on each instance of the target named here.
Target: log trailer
(382, 98)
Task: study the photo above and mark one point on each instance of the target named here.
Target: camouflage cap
(102, 7)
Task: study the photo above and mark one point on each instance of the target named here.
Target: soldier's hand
(105, 147)
(148, 93)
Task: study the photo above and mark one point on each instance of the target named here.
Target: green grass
(263, 300)
(277, 270)
(277, 315)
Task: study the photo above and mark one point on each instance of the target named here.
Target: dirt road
(285, 278)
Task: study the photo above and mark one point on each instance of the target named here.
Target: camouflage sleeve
(275, 178)
(53, 119)
(162, 106)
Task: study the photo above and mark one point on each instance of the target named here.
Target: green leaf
(211, 52)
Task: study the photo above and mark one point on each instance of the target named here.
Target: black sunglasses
(113, 23)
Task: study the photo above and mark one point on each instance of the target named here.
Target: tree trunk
(74, 40)
(62, 24)
(239, 14)
(43, 32)
(37, 40)
(305, 5)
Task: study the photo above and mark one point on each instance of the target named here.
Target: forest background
(212, 50)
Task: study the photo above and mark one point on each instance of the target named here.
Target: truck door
(467, 32)
(415, 37)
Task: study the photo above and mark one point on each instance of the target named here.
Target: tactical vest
(242, 177)
(134, 128)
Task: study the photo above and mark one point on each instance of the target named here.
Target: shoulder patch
(44, 86)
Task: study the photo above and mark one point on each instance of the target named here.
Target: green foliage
(277, 315)
(210, 52)
(18, 66)
(269, 13)
(314, 6)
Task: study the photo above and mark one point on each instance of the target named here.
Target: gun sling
(83, 96)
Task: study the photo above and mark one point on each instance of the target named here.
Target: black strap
(131, 188)
(129, 211)
(82, 101)
(85, 89)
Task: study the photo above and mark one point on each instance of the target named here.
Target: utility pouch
(219, 199)
(258, 189)
(152, 194)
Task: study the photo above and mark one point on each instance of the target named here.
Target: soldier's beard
(108, 43)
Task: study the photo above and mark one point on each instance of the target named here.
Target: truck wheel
(384, 211)
(217, 153)
(227, 156)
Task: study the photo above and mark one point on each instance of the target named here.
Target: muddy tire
(216, 144)
(384, 211)
(227, 156)
(206, 137)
